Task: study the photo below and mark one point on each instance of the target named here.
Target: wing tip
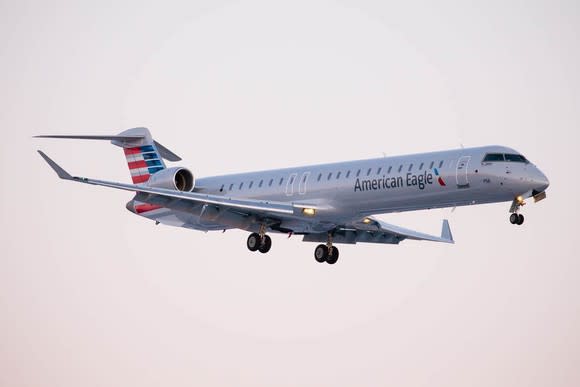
(446, 232)
(55, 167)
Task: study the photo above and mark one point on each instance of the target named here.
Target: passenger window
(389, 170)
(358, 173)
(241, 185)
(431, 165)
(347, 174)
(222, 188)
(304, 177)
(410, 167)
(338, 175)
(379, 170)
(281, 181)
(369, 171)
(329, 175)
(421, 166)
(261, 182)
(319, 176)
(491, 157)
(251, 184)
(441, 164)
(231, 186)
(400, 168)
(270, 183)
(291, 180)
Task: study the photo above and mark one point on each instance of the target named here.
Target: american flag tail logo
(143, 161)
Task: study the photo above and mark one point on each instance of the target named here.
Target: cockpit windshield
(512, 157)
(491, 157)
(515, 158)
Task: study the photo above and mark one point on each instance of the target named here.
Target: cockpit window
(491, 157)
(515, 158)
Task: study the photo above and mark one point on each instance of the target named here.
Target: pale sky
(92, 295)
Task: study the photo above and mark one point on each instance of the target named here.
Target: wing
(185, 201)
(372, 230)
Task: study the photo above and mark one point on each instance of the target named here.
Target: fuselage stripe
(140, 208)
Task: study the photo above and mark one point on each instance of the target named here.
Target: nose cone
(540, 181)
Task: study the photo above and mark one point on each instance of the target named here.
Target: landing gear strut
(326, 253)
(259, 241)
(516, 217)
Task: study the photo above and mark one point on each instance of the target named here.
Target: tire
(253, 242)
(266, 245)
(514, 218)
(520, 220)
(321, 253)
(332, 258)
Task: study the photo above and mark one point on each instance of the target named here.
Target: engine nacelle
(177, 178)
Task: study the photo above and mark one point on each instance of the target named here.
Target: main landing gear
(326, 253)
(516, 217)
(259, 241)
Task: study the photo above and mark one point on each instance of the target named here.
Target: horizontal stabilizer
(130, 138)
(166, 153)
(109, 138)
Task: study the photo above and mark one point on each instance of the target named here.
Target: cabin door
(290, 184)
(461, 172)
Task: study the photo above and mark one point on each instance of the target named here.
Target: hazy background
(91, 295)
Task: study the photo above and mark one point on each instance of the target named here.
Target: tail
(144, 155)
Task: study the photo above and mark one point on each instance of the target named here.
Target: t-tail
(144, 155)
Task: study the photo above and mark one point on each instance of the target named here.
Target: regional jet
(328, 203)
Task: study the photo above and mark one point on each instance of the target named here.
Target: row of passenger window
(338, 175)
(379, 170)
(260, 184)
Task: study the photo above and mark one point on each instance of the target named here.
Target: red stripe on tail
(137, 164)
(140, 178)
(132, 151)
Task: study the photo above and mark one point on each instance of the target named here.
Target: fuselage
(347, 190)
(344, 191)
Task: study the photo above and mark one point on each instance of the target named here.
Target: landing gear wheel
(520, 220)
(332, 256)
(266, 245)
(321, 253)
(254, 241)
(514, 218)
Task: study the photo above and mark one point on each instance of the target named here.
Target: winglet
(446, 232)
(57, 168)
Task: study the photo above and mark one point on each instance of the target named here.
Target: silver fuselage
(349, 190)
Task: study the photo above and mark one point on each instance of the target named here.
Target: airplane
(328, 203)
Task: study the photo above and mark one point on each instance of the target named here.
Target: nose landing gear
(516, 217)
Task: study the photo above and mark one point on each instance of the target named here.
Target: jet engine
(176, 178)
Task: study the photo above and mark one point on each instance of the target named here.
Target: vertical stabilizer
(142, 155)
